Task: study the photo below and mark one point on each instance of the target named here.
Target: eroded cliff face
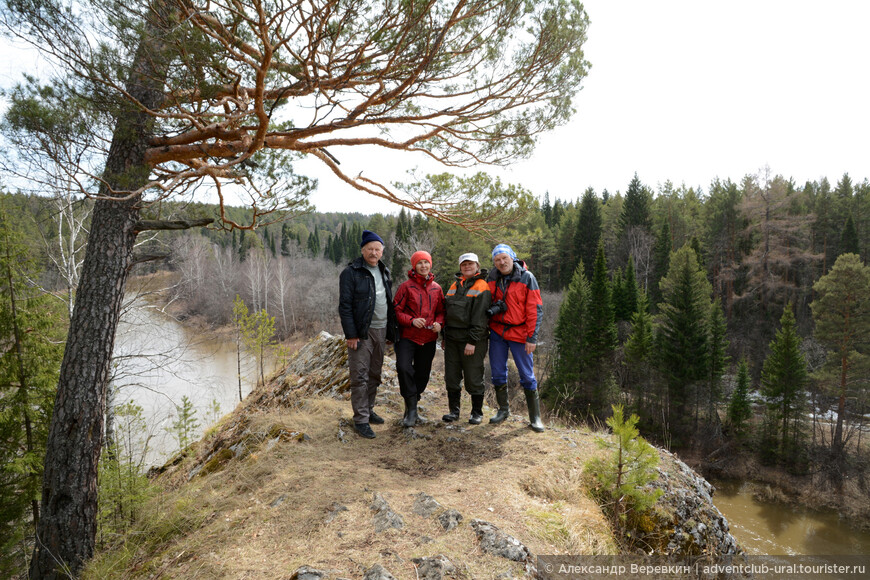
(285, 475)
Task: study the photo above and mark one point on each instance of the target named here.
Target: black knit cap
(368, 236)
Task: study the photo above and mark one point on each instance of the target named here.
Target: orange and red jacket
(522, 295)
(419, 298)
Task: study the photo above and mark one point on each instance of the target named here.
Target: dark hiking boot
(364, 430)
(374, 418)
(534, 404)
(453, 398)
(410, 412)
(476, 410)
(504, 408)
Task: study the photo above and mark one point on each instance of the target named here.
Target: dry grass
(273, 511)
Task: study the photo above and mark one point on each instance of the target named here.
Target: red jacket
(418, 298)
(520, 291)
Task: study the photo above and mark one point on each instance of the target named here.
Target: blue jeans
(498, 356)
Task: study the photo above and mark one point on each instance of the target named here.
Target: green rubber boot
(534, 404)
(504, 408)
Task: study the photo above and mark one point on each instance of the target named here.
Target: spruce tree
(286, 238)
(570, 342)
(617, 295)
(661, 263)
(30, 354)
(601, 336)
(783, 382)
(849, 243)
(681, 338)
(587, 234)
(638, 353)
(717, 359)
(740, 407)
(547, 210)
(636, 208)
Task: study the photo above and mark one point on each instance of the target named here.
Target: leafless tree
(782, 247)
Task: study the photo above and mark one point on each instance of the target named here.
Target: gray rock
(495, 542)
(450, 519)
(385, 517)
(425, 505)
(378, 572)
(434, 567)
(278, 500)
(309, 573)
(335, 509)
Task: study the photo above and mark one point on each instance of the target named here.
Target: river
(159, 361)
(775, 528)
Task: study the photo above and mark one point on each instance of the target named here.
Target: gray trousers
(365, 365)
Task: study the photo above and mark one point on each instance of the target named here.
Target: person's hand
(469, 349)
(419, 322)
(530, 347)
(436, 328)
(352, 343)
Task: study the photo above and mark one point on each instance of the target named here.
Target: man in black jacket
(365, 305)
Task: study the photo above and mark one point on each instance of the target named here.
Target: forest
(736, 317)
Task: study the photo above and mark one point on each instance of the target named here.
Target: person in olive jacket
(465, 337)
(365, 306)
(419, 306)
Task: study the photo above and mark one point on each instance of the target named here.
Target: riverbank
(774, 484)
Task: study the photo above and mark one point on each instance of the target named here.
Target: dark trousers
(459, 366)
(413, 365)
(366, 363)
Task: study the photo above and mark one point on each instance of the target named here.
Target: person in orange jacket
(514, 324)
(419, 307)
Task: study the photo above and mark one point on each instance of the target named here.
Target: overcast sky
(689, 91)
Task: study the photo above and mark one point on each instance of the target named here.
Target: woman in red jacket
(419, 305)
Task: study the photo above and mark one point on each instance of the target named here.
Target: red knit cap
(421, 255)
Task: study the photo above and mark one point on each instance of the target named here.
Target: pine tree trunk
(67, 529)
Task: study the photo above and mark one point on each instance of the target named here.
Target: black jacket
(356, 300)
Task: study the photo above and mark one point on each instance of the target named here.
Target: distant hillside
(283, 488)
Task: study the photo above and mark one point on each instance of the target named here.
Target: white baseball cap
(469, 257)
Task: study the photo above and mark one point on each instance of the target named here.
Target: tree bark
(66, 532)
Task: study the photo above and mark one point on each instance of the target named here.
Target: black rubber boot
(410, 418)
(453, 398)
(504, 408)
(476, 410)
(534, 404)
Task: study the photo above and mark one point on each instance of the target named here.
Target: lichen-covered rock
(317, 369)
(434, 567)
(378, 572)
(425, 505)
(309, 573)
(686, 517)
(385, 517)
(450, 519)
(496, 542)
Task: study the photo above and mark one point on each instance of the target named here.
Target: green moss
(217, 463)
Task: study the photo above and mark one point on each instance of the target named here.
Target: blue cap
(503, 249)
(368, 236)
